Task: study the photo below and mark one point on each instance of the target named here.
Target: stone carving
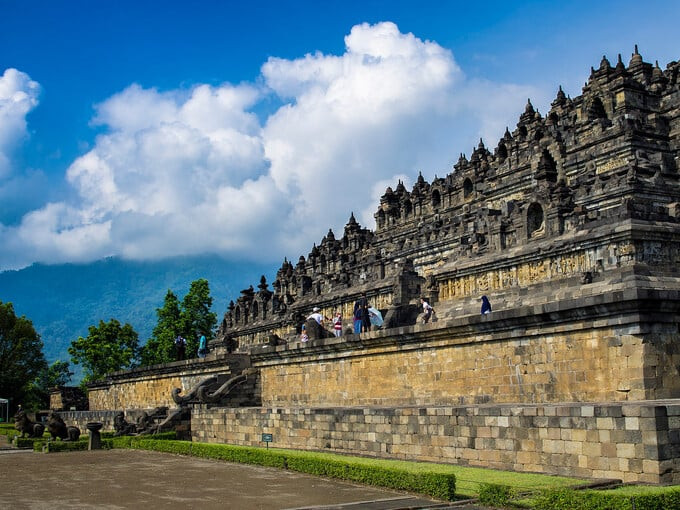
(205, 396)
(26, 426)
(158, 420)
(147, 422)
(58, 429)
(193, 392)
(171, 421)
(122, 427)
(213, 389)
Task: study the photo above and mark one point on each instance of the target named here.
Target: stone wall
(633, 442)
(619, 346)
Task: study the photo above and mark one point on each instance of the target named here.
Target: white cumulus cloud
(194, 171)
(18, 96)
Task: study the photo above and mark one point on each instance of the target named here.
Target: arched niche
(407, 209)
(502, 151)
(467, 188)
(436, 199)
(535, 220)
(596, 109)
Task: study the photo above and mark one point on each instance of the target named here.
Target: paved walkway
(122, 479)
(118, 479)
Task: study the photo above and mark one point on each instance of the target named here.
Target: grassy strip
(625, 498)
(375, 472)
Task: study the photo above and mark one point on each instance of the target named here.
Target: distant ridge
(63, 300)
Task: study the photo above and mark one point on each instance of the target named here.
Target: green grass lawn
(468, 479)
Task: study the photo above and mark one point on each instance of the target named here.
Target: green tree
(107, 348)
(21, 356)
(160, 348)
(57, 374)
(196, 319)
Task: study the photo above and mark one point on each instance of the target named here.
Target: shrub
(493, 494)
(558, 499)
(68, 446)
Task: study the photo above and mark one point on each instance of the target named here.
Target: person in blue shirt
(486, 305)
(202, 347)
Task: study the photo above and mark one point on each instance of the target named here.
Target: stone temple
(570, 225)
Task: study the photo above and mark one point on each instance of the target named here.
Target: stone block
(625, 450)
(632, 423)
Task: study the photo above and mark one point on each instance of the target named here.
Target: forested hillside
(63, 300)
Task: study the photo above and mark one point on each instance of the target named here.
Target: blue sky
(152, 129)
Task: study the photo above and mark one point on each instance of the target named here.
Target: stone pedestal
(93, 428)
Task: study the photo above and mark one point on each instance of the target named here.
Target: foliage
(68, 446)
(191, 319)
(21, 356)
(28, 442)
(107, 348)
(196, 319)
(640, 498)
(57, 374)
(493, 494)
(160, 348)
(131, 441)
(7, 429)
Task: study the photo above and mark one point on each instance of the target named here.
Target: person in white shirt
(316, 315)
(427, 310)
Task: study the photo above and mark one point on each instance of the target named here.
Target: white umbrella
(375, 316)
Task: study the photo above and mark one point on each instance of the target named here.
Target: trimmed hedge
(129, 441)
(493, 494)
(559, 499)
(28, 442)
(377, 473)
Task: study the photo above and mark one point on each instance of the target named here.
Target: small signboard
(267, 438)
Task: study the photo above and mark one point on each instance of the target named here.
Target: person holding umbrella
(375, 316)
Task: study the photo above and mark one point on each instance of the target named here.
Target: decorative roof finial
(636, 58)
(604, 64)
(620, 68)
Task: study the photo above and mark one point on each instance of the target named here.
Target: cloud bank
(18, 96)
(196, 171)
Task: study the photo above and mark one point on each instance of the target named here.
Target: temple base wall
(612, 347)
(635, 442)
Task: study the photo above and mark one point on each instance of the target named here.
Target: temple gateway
(570, 225)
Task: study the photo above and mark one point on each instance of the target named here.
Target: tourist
(427, 310)
(180, 347)
(356, 316)
(365, 315)
(202, 347)
(486, 305)
(303, 335)
(316, 315)
(337, 324)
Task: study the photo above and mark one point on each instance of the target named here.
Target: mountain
(62, 301)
